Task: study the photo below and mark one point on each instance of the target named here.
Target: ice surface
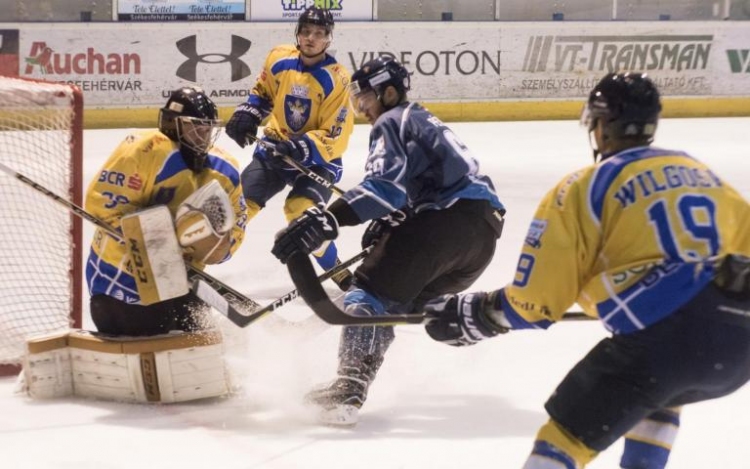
(432, 406)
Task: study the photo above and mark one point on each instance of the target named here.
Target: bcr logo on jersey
(112, 177)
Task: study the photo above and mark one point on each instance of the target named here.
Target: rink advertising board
(180, 10)
(134, 65)
(286, 10)
(8, 52)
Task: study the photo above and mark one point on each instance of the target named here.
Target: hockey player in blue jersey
(421, 178)
(655, 245)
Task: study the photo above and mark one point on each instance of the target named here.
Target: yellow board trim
(464, 111)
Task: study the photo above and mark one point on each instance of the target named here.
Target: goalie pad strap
(156, 258)
(167, 368)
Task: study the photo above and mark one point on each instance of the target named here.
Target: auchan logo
(90, 62)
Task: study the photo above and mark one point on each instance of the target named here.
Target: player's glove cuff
(305, 234)
(299, 150)
(462, 319)
(380, 226)
(243, 125)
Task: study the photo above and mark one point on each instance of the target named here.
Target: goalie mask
(627, 105)
(190, 118)
(374, 77)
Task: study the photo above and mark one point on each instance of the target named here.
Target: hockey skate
(339, 401)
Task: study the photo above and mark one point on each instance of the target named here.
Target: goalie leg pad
(47, 371)
(158, 266)
(167, 368)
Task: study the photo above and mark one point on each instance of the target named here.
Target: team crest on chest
(296, 112)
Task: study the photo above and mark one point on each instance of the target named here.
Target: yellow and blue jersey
(147, 169)
(309, 103)
(630, 239)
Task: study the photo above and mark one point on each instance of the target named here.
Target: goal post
(41, 137)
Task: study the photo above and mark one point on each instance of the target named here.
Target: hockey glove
(380, 226)
(298, 150)
(462, 319)
(305, 234)
(243, 125)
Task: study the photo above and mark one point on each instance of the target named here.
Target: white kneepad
(166, 368)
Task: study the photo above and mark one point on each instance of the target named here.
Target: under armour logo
(188, 47)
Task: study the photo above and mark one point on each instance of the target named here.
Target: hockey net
(40, 241)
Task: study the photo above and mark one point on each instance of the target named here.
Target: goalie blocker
(167, 368)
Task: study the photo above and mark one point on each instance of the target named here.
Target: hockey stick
(221, 289)
(243, 317)
(303, 275)
(301, 168)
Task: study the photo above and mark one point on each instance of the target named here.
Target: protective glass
(198, 134)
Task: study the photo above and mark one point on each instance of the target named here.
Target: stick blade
(309, 287)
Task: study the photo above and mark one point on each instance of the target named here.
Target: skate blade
(339, 416)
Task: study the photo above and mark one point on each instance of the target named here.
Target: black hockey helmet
(377, 75)
(627, 104)
(315, 15)
(191, 119)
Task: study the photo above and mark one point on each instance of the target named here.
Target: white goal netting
(40, 276)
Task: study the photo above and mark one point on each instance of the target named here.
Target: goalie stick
(220, 289)
(243, 317)
(303, 275)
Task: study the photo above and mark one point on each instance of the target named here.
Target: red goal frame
(76, 196)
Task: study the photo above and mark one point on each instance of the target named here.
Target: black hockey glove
(243, 125)
(461, 319)
(298, 150)
(305, 234)
(380, 226)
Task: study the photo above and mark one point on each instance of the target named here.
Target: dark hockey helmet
(315, 15)
(627, 104)
(191, 119)
(377, 75)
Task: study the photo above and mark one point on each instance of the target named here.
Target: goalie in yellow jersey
(302, 91)
(654, 244)
(175, 196)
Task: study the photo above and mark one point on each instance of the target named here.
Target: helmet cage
(190, 119)
(196, 134)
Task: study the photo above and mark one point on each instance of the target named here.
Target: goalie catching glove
(305, 234)
(203, 222)
(464, 319)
